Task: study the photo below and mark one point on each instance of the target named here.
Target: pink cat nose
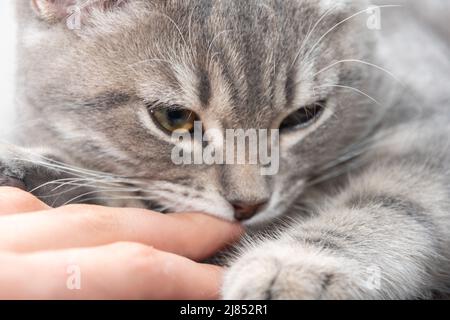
(244, 211)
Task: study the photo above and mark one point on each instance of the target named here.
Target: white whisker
(305, 41)
(340, 23)
(350, 88)
(60, 182)
(94, 192)
(362, 62)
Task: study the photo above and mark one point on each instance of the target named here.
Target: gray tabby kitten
(363, 191)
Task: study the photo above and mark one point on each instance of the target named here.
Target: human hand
(112, 253)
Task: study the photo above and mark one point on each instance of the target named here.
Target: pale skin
(119, 253)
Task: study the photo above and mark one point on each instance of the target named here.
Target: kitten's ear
(58, 10)
(52, 10)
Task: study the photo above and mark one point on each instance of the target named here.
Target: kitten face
(236, 64)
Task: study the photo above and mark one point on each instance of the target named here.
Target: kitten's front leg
(384, 237)
(319, 260)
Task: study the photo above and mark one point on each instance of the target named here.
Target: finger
(13, 200)
(195, 236)
(118, 271)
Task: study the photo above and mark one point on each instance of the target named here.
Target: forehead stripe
(204, 88)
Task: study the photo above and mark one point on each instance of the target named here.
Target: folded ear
(76, 10)
(52, 10)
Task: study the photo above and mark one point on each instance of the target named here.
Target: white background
(7, 65)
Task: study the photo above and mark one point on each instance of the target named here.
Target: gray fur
(366, 191)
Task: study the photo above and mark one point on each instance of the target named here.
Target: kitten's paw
(278, 272)
(12, 174)
(37, 173)
(7, 181)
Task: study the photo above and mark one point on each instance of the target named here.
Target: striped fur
(363, 195)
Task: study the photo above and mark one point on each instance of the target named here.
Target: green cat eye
(173, 118)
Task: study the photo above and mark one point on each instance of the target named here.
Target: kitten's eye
(173, 118)
(303, 116)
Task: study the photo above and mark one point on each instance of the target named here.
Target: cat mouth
(165, 204)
